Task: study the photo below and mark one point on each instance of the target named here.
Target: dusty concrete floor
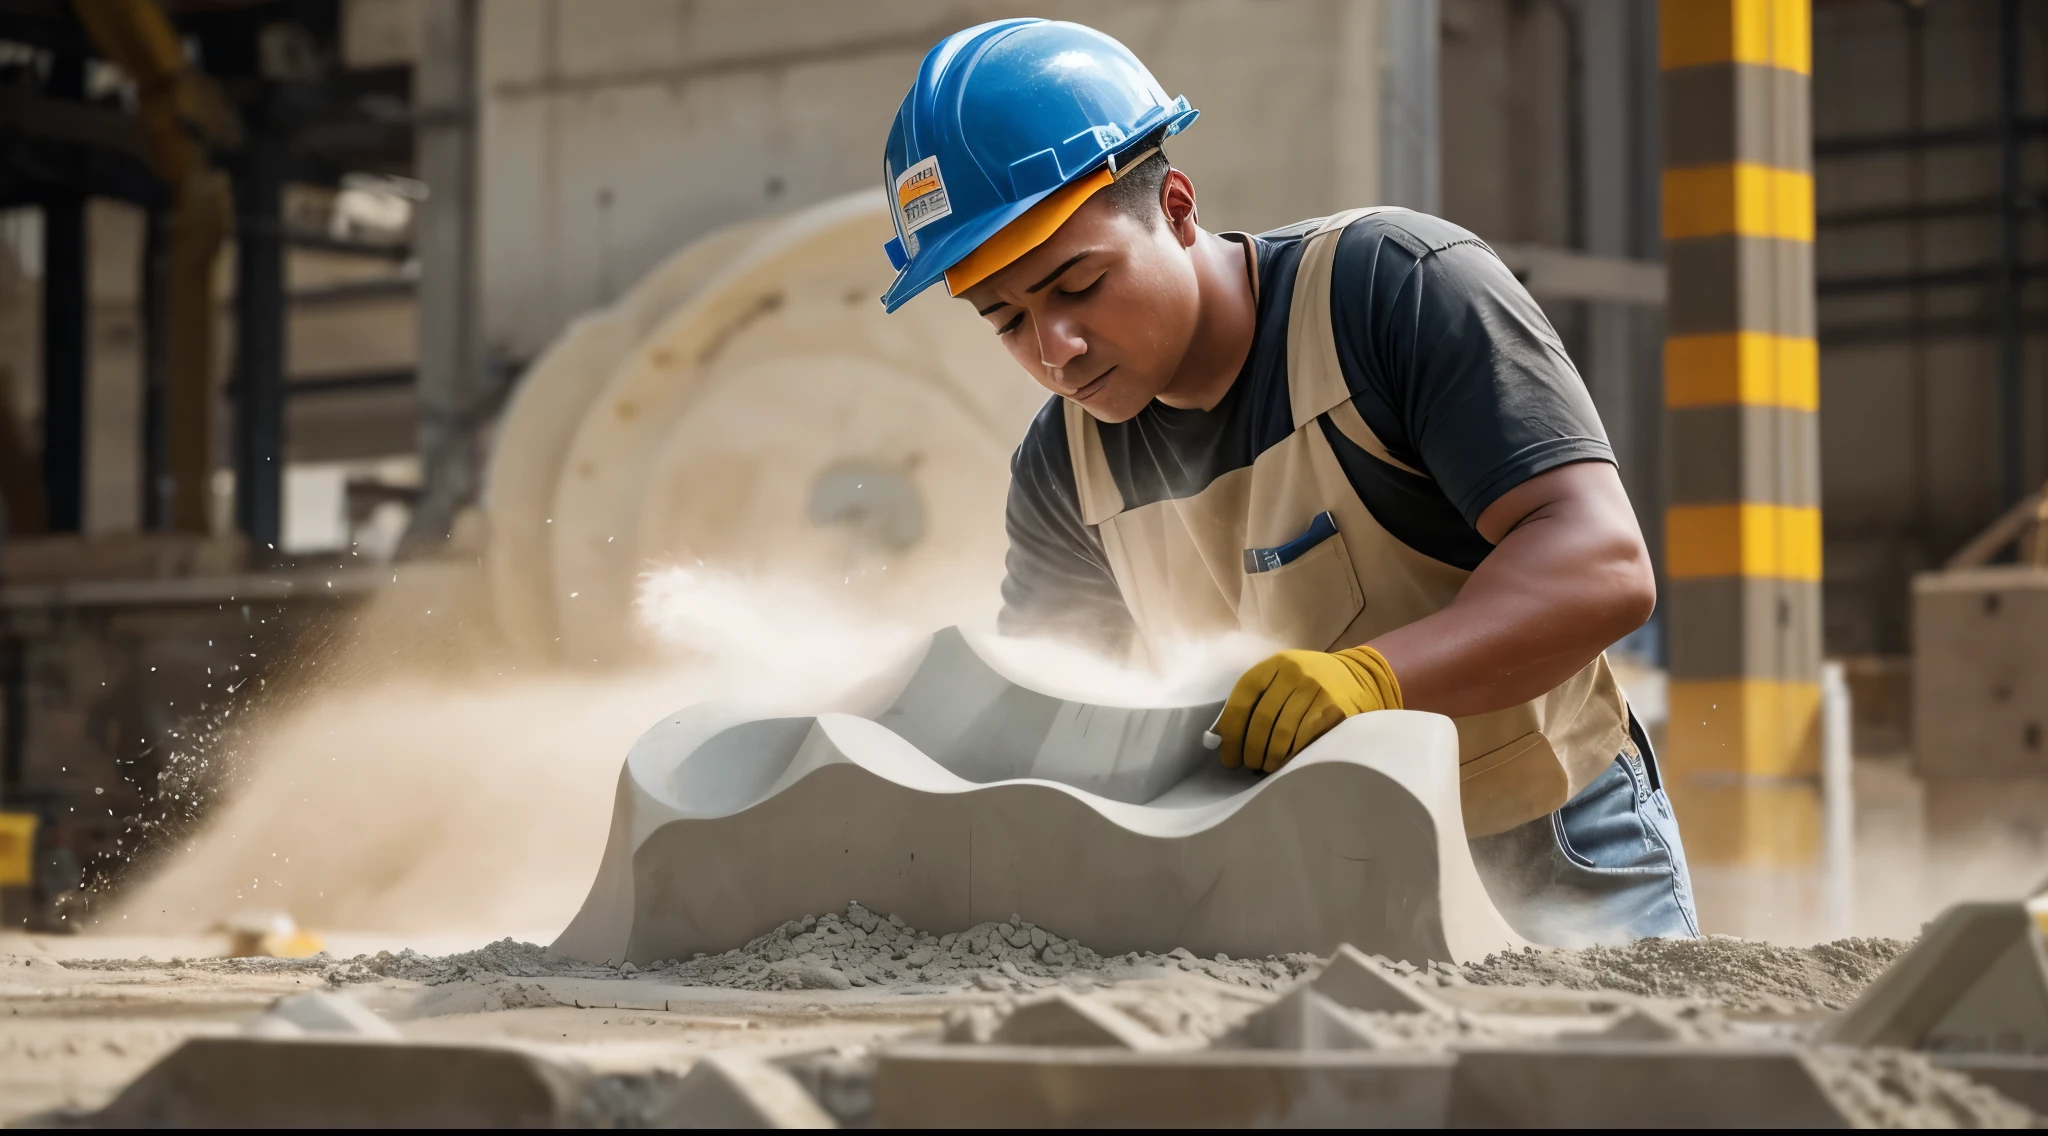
(81, 1016)
(70, 1038)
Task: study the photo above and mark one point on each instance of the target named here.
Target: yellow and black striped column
(1742, 396)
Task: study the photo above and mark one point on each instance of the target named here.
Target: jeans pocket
(1604, 829)
(1564, 844)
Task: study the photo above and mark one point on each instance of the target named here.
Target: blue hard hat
(1002, 115)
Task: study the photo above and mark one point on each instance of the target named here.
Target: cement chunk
(979, 800)
(1062, 1018)
(239, 1082)
(1976, 982)
(1631, 1087)
(2022, 1079)
(1029, 1086)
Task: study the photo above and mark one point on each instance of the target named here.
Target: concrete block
(1638, 1086)
(2024, 1079)
(962, 797)
(733, 1091)
(930, 1085)
(1063, 1018)
(1355, 980)
(1976, 982)
(1980, 679)
(244, 1082)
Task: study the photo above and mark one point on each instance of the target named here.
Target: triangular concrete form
(955, 796)
(727, 1091)
(1063, 1018)
(329, 1081)
(1357, 980)
(1303, 1020)
(1977, 982)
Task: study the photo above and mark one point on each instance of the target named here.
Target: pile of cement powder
(1738, 974)
(858, 948)
(863, 949)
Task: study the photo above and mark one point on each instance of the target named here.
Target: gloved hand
(1281, 705)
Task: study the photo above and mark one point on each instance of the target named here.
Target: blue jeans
(1608, 867)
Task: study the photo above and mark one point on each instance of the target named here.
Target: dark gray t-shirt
(1449, 360)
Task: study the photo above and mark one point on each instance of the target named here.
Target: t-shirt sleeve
(1464, 376)
(1056, 580)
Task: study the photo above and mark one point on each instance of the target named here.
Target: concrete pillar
(1410, 115)
(1741, 389)
(452, 383)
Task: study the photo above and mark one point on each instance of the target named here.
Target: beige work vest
(1180, 565)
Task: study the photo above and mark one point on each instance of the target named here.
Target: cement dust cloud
(424, 785)
(473, 795)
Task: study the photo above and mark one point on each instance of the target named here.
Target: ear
(1177, 206)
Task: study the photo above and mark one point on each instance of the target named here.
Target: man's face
(1101, 313)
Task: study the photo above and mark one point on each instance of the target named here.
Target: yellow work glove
(1281, 705)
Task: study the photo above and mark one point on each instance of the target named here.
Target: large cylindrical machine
(749, 408)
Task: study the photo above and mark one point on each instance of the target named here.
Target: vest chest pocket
(1302, 594)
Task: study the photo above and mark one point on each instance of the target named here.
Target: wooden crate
(1980, 673)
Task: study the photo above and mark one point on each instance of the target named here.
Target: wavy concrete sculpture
(969, 798)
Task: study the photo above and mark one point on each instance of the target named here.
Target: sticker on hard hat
(921, 195)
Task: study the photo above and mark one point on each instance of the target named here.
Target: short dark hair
(1136, 192)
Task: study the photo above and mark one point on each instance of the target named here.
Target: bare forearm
(1567, 579)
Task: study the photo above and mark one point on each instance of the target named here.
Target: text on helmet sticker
(921, 196)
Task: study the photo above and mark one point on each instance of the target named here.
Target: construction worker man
(1356, 436)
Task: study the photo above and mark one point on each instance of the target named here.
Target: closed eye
(1012, 325)
(1084, 290)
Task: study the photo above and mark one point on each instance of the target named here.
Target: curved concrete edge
(1357, 840)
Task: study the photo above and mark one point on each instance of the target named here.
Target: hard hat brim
(934, 262)
(1032, 228)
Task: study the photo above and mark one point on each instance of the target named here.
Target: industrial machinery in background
(748, 408)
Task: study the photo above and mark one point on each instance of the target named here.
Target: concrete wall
(1910, 419)
(613, 133)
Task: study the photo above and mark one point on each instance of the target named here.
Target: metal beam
(1997, 272)
(2011, 275)
(1944, 138)
(2036, 200)
(1863, 333)
(65, 307)
(157, 481)
(260, 343)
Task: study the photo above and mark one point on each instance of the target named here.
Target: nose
(1059, 344)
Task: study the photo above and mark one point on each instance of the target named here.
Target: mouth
(1093, 388)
